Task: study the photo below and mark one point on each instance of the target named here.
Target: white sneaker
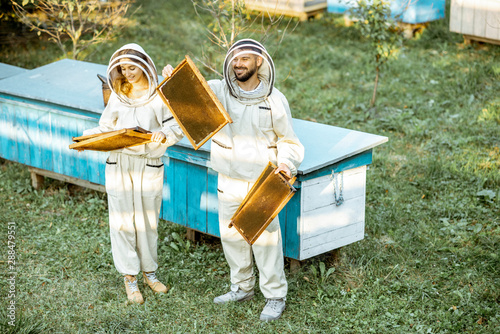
(234, 296)
(273, 309)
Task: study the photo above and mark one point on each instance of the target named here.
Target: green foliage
(84, 23)
(224, 22)
(374, 22)
(228, 19)
(372, 18)
(178, 243)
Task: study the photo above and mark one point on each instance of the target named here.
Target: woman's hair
(121, 83)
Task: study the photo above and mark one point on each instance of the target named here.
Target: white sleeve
(290, 149)
(170, 127)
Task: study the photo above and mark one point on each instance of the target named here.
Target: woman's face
(131, 72)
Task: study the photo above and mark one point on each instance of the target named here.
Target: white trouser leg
(267, 250)
(134, 186)
(237, 251)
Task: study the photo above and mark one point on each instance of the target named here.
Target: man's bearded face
(244, 66)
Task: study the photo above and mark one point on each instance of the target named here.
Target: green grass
(429, 262)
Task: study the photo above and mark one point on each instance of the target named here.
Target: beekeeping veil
(132, 54)
(265, 73)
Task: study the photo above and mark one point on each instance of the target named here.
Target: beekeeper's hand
(167, 71)
(158, 137)
(284, 168)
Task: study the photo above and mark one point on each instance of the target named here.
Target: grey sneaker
(234, 296)
(273, 309)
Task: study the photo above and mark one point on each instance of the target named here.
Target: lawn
(429, 262)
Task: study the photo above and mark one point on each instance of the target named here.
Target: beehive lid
(326, 144)
(69, 83)
(7, 70)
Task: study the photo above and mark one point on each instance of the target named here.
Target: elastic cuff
(290, 165)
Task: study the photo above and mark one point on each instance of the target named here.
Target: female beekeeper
(134, 175)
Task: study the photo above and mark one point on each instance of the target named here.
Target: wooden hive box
(335, 165)
(42, 110)
(303, 9)
(406, 11)
(476, 19)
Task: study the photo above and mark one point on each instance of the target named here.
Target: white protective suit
(134, 176)
(261, 132)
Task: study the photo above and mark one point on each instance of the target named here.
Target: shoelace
(233, 295)
(273, 304)
(132, 286)
(152, 277)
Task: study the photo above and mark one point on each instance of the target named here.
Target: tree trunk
(374, 96)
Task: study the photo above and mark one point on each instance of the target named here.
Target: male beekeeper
(261, 132)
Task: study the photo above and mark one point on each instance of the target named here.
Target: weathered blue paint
(360, 159)
(180, 195)
(42, 109)
(212, 203)
(183, 151)
(290, 226)
(167, 209)
(407, 11)
(197, 197)
(7, 127)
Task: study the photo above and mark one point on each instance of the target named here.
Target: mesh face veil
(266, 72)
(132, 54)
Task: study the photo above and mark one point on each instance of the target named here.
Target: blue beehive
(407, 11)
(42, 109)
